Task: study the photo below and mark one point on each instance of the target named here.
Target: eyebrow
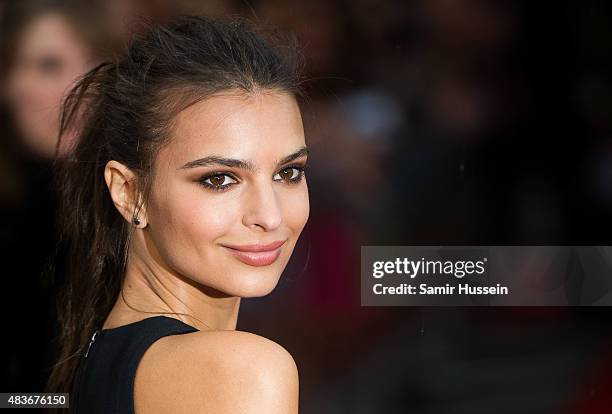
(242, 164)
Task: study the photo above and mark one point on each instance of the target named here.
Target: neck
(151, 288)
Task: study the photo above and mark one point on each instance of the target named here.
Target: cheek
(193, 221)
(185, 225)
(296, 209)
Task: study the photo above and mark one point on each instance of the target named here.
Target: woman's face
(49, 58)
(230, 176)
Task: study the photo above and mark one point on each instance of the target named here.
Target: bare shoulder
(216, 371)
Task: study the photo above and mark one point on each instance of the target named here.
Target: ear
(121, 183)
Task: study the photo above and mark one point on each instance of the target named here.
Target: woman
(184, 193)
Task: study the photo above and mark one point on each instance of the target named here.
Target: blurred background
(429, 122)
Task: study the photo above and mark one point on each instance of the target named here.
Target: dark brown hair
(123, 111)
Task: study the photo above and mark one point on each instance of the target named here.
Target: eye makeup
(217, 180)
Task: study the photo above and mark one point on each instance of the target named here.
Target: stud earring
(136, 221)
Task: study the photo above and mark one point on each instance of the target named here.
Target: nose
(262, 207)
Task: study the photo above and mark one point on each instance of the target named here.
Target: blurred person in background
(46, 46)
(52, 47)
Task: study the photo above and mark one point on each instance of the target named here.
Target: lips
(256, 254)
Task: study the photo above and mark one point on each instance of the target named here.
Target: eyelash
(301, 170)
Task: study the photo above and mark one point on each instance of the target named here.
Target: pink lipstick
(257, 254)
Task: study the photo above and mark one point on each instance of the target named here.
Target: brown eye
(290, 174)
(217, 182)
(286, 174)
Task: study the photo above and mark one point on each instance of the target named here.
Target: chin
(262, 286)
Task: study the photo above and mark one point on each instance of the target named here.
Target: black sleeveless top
(104, 381)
